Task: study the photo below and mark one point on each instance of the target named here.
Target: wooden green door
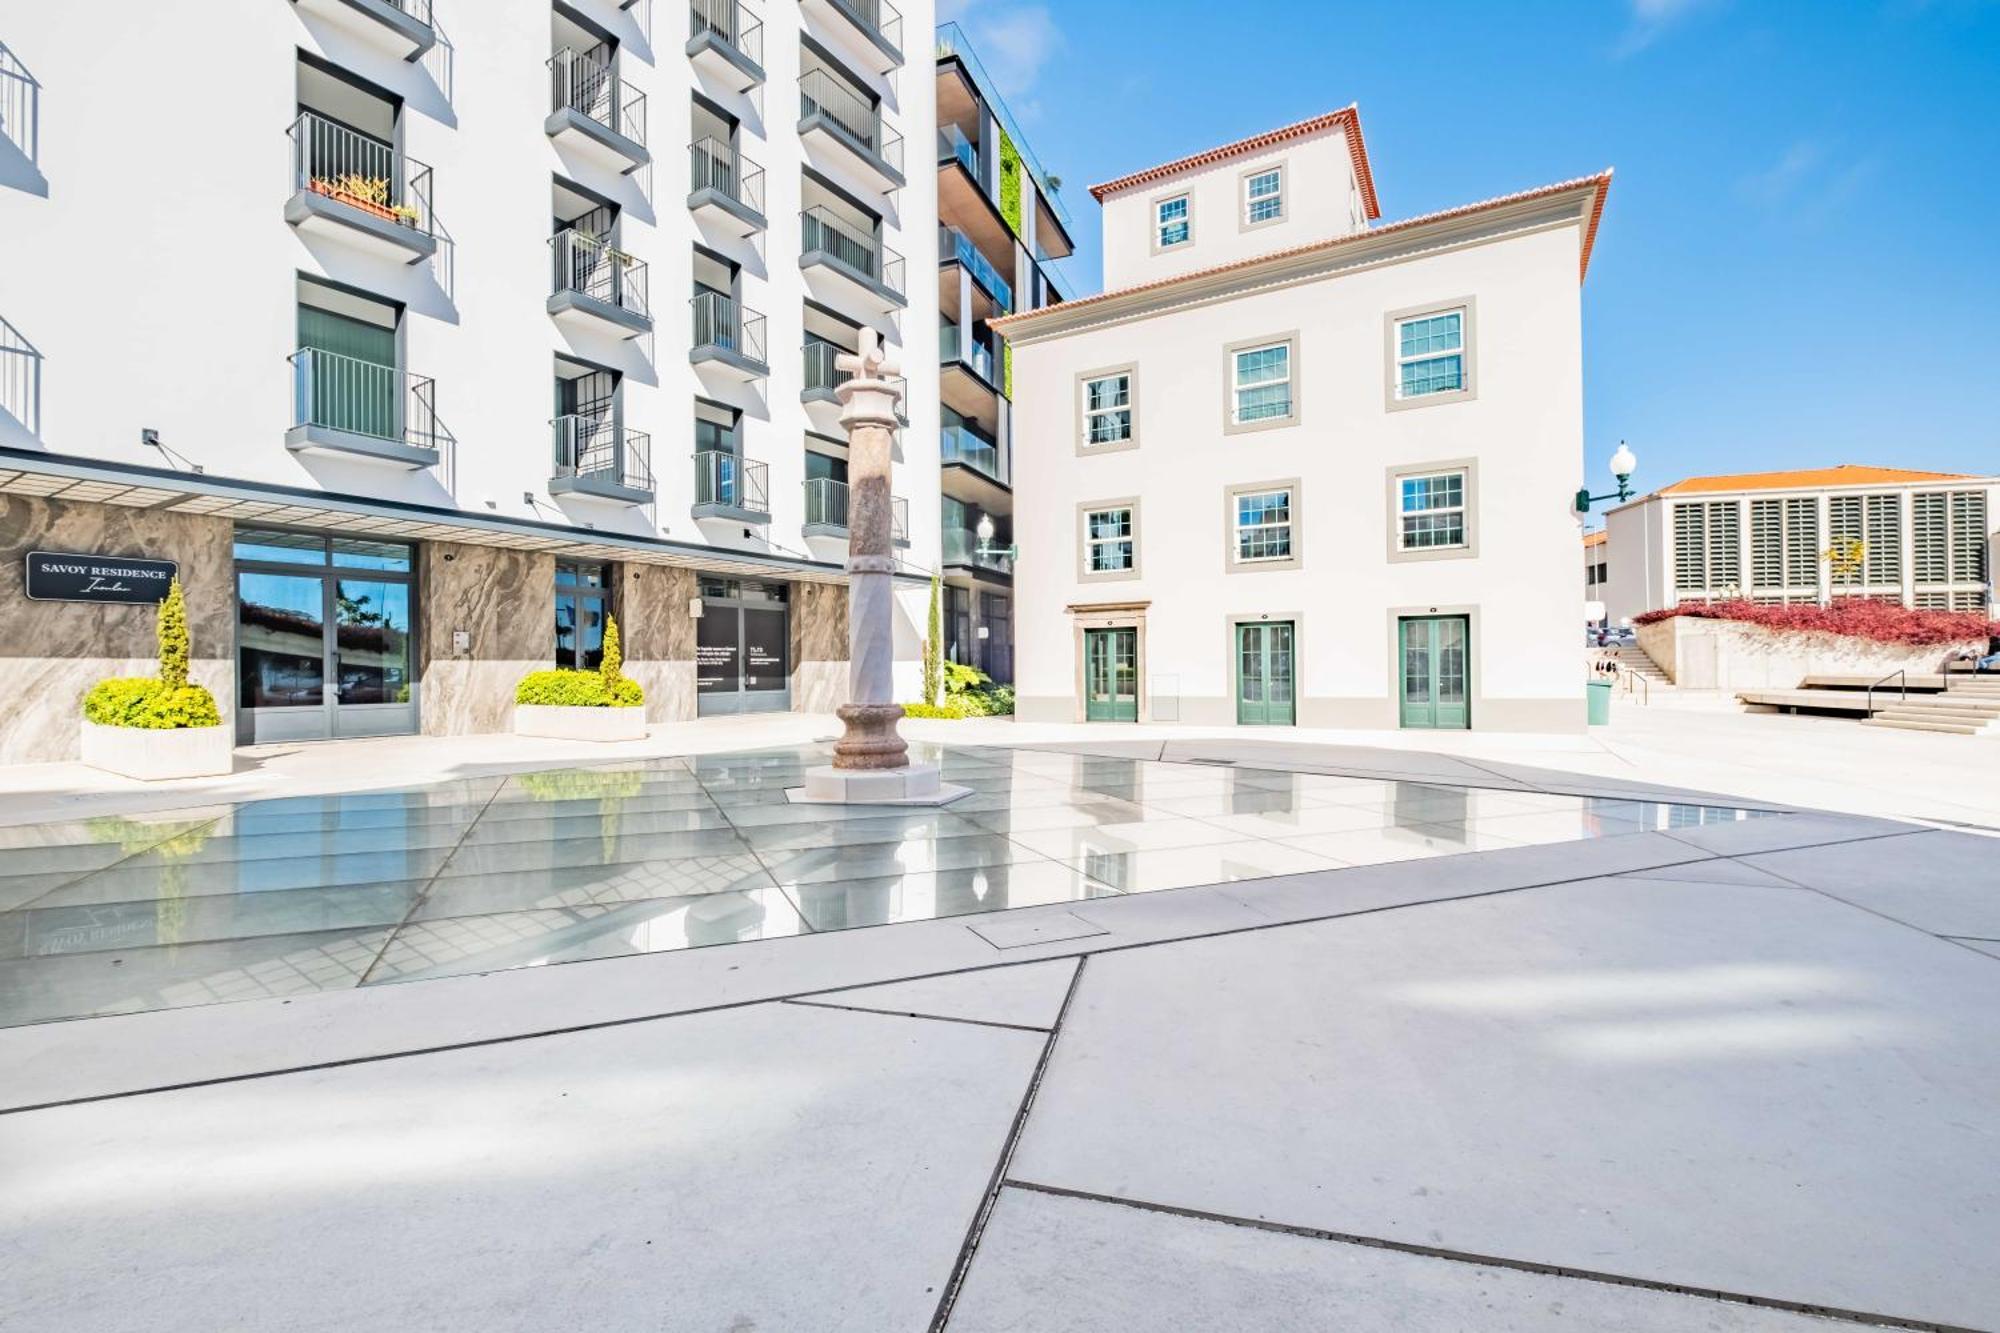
(1435, 662)
(1111, 675)
(1265, 693)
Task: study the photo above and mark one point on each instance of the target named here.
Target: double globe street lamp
(1623, 464)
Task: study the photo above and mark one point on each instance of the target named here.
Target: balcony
(724, 188)
(729, 487)
(728, 337)
(596, 458)
(955, 247)
(826, 511)
(595, 112)
(974, 468)
(953, 146)
(833, 114)
(876, 22)
(359, 409)
(961, 548)
(598, 288)
(822, 376)
(726, 43)
(860, 267)
(402, 28)
(359, 190)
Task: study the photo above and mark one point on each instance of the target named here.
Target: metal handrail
(725, 478)
(1868, 702)
(1632, 677)
(826, 503)
(420, 10)
(722, 321)
(820, 229)
(881, 16)
(591, 88)
(714, 165)
(731, 24)
(591, 267)
(823, 94)
(20, 106)
(820, 370)
(597, 446)
(345, 393)
(360, 171)
(20, 378)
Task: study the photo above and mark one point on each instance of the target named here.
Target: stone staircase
(1968, 706)
(1636, 661)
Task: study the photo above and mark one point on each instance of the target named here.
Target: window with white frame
(1107, 408)
(1262, 390)
(1430, 354)
(1264, 196)
(1109, 534)
(1264, 525)
(1172, 223)
(1432, 511)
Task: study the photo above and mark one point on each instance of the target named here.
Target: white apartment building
(1920, 538)
(1296, 467)
(423, 334)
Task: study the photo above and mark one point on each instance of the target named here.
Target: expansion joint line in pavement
(1493, 1260)
(984, 1213)
(423, 895)
(911, 1013)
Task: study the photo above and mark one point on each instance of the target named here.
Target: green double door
(1111, 675)
(1266, 691)
(1435, 660)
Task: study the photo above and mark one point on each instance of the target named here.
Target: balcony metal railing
(961, 547)
(731, 24)
(420, 10)
(826, 503)
(590, 267)
(971, 352)
(590, 87)
(345, 393)
(956, 444)
(20, 379)
(821, 372)
(721, 321)
(714, 165)
(597, 446)
(882, 17)
(362, 172)
(821, 92)
(20, 106)
(723, 478)
(952, 143)
(821, 230)
(955, 244)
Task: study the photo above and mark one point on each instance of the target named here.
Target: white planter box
(159, 755)
(580, 724)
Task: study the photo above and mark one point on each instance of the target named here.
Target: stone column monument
(871, 762)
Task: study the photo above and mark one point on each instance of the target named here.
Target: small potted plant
(600, 705)
(157, 727)
(370, 194)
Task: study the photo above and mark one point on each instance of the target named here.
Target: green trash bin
(1598, 694)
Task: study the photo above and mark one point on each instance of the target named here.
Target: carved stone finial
(871, 362)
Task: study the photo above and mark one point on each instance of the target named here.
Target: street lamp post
(1623, 464)
(984, 530)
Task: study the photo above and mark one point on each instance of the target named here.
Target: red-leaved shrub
(1883, 622)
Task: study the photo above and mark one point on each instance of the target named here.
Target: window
(1264, 197)
(1263, 525)
(1107, 408)
(1430, 355)
(1708, 548)
(1110, 539)
(1173, 222)
(1260, 385)
(581, 590)
(1603, 572)
(1432, 511)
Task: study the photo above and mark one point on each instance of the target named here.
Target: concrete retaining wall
(1731, 655)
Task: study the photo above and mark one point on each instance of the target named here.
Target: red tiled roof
(1602, 182)
(1841, 474)
(1348, 116)
(1597, 538)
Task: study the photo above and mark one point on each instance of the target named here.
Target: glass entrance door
(742, 648)
(1111, 675)
(1435, 686)
(1264, 686)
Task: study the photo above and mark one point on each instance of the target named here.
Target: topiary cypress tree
(934, 645)
(614, 658)
(172, 630)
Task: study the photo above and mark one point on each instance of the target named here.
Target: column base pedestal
(914, 784)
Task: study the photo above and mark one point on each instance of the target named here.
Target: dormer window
(1173, 222)
(1264, 197)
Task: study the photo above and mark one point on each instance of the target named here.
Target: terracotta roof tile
(1597, 538)
(1842, 474)
(1357, 148)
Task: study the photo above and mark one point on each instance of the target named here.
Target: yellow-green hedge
(150, 703)
(578, 689)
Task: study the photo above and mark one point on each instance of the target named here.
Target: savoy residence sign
(58, 576)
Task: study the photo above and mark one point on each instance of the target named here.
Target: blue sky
(1803, 238)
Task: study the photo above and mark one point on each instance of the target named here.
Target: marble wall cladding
(819, 647)
(658, 634)
(669, 688)
(51, 653)
(504, 601)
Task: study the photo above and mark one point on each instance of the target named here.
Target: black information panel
(718, 651)
(57, 576)
(764, 635)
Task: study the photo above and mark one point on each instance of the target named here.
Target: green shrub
(578, 689)
(613, 667)
(934, 643)
(951, 710)
(172, 631)
(150, 703)
(1000, 701)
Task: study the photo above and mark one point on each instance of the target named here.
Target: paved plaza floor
(1261, 1042)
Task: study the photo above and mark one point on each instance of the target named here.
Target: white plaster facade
(159, 277)
(1927, 540)
(1513, 434)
